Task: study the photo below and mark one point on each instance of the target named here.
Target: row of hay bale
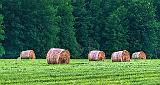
(62, 56)
(120, 56)
(54, 56)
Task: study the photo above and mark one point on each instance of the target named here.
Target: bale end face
(126, 56)
(32, 55)
(101, 56)
(142, 55)
(64, 57)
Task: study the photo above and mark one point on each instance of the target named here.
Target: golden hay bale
(58, 56)
(28, 54)
(96, 55)
(120, 56)
(139, 55)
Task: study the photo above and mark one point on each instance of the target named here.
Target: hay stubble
(79, 72)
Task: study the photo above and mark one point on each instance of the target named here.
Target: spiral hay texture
(139, 55)
(28, 54)
(96, 56)
(58, 56)
(120, 56)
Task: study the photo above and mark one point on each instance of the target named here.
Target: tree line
(79, 26)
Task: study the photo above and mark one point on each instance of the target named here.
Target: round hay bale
(120, 56)
(58, 56)
(96, 55)
(28, 54)
(139, 55)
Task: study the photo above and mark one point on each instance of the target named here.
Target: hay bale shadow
(78, 63)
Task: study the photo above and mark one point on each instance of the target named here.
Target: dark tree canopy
(79, 26)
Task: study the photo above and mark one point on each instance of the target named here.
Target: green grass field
(79, 72)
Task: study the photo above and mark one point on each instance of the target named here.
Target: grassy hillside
(81, 72)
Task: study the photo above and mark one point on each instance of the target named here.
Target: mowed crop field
(79, 72)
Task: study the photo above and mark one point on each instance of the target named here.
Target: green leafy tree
(142, 35)
(156, 24)
(2, 51)
(39, 18)
(11, 11)
(113, 16)
(81, 25)
(30, 24)
(93, 11)
(157, 6)
(67, 31)
(116, 31)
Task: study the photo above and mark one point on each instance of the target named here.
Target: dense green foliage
(67, 33)
(80, 72)
(80, 26)
(142, 34)
(29, 26)
(2, 51)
